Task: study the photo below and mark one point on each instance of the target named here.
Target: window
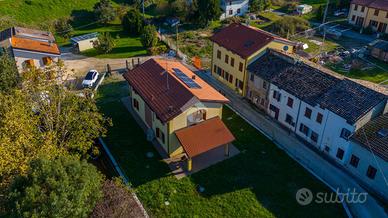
(264, 85)
(290, 102)
(373, 23)
(29, 63)
(353, 17)
(273, 108)
(319, 118)
(252, 78)
(354, 161)
(232, 62)
(227, 59)
(135, 104)
(240, 67)
(157, 132)
(371, 172)
(230, 12)
(314, 136)
(47, 60)
(340, 153)
(238, 11)
(162, 137)
(304, 129)
(276, 95)
(240, 84)
(219, 54)
(290, 120)
(215, 69)
(355, 7)
(219, 71)
(307, 112)
(345, 134)
(386, 15)
(226, 76)
(362, 8)
(376, 12)
(231, 78)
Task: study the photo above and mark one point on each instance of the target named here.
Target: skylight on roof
(185, 79)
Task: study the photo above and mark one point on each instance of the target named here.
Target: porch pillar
(189, 164)
(227, 150)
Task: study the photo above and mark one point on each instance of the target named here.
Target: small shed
(379, 49)
(304, 9)
(84, 42)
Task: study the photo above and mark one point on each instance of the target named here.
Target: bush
(149, 37)
(104, 11)
(104, 44)
(63, 27)
(289, 25)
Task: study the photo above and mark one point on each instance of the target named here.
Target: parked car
(90, 79)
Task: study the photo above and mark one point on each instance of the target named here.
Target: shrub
(104, 44)
(133, 22)
(104, 11)
(289, 25)
(149, 37)
(63, 27)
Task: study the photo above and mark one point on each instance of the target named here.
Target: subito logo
(304, 196)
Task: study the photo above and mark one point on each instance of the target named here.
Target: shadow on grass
(127, 140)
(267, 171)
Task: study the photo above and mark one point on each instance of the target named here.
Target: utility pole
(177, 39)
(323, 22)
(143, 10)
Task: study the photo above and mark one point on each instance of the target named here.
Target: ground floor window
(371, 172)
(136, 104)
(354, 161)
(314, 136)
(304, 129)
(340, 153)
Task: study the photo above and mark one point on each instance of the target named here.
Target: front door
(148, 116)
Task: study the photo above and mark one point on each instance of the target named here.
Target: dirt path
(78, 65)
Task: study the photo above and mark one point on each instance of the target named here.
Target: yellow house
(369, 13)
(179, 109)
(238, 45)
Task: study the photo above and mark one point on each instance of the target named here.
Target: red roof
(378, 4)
(149, 80)
(245, 40)
(204, 136)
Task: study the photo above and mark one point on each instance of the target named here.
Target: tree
(320, 13)
(105, 43)
(149, 37)
(63, 27)
(104, 11)
(208, 10)
(254, 5)
(9, 75)
(65, 187)
(44, 118)
(133, 22)
(117, 202)
(289, 25)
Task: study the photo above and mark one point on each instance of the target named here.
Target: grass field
(259, 182)
(37, 13)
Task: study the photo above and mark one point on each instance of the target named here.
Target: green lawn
(259, 182)
(40, 12)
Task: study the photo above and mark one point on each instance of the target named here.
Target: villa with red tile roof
(29, 47)
(178, 108)
(238, 45)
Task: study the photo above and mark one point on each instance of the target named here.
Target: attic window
(382, 133)
(248, 44)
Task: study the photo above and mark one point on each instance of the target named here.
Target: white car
(90, 79)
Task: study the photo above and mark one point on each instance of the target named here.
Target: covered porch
(204, 144)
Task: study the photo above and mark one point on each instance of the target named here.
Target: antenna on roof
(166, 70)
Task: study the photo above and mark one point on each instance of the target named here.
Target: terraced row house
(321, 107)
(238, 45)
(369, 13)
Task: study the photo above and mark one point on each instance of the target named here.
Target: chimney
(193, 77)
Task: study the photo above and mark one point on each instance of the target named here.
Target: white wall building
(233, 8)
(29, 47)
(368, 159)
(321, 107)
(84, 42)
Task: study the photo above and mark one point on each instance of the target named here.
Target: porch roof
(204, 136)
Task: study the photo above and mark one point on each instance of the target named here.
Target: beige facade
(257, 91)
(364, 17)
(231, 69)
(165, 132)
